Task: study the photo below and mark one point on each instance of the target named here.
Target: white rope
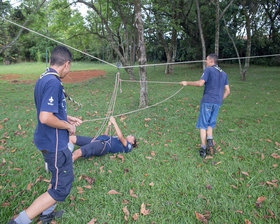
(190, 62)
(59, 42)
(144, 108)
(159, 82)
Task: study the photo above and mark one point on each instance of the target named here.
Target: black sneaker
(48, 218)
(210, 147)
(202, 152)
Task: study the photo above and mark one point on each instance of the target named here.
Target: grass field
(165, 172)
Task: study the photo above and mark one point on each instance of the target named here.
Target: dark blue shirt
(215, 80)
(114, 145)
(49, 97)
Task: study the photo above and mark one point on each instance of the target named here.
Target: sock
(22, 218)
(209, 137)
(203, 146)
(49, 210)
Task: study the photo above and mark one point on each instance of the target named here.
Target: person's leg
(210, 132)
(212, 123)
(42, 203)
(203, 137)
(96, 148)
(76, 154)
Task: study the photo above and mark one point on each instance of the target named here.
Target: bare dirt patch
(72, 77)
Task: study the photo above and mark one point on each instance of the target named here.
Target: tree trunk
(142, 55)
(217, 26)
(171, 53)
(201, 33)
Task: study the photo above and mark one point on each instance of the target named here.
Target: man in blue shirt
(216, 89)
(51, 137)
(103, 144)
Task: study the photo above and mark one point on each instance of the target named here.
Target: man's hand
(184, 83)
(71, 129)
(74, 120)
(112, 120)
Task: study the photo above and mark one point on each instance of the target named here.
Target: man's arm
(118, 131)
(49, 119)
(226, 92)
(193, 83)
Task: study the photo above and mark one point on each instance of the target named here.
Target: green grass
(247, 133)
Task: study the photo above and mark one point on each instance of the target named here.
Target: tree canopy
(171, 29)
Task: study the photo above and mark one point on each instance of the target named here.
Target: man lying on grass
(102, 144)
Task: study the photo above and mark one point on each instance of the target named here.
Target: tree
(113, 21)
(142, 54)
(201, 32)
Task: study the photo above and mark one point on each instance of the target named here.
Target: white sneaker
(71, 147)
(46, 167)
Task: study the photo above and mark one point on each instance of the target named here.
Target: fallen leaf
(17, 169)
(270, 183)
(80, 188)
(151, 184)
(126, 213)
(92, 221)
(275, 165)
(131, 194)
(125, 202)
(275, 156)
(87, 187)
(143, 210)
(247, 221)
(238, 211)
(19, 126)
(153, 153)
(245, 173)
(148, 157)
(268, 140)
(277, 143)
(89, 179)
(29, 186)
(261, 199)
(113, 192)
(234, 186)
(200, 217)
(121, 157)
(135, 216)
(262, 156)
(209, 187)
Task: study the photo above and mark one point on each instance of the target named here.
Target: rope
(111, 107)
(190, 62)
(144, 108)
(122, 80)
(58, 42)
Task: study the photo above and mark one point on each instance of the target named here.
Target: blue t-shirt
(215, 81)
(114, 145)
(49, 97)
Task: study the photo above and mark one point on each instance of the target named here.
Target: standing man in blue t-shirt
(216, 89)
(51, 137)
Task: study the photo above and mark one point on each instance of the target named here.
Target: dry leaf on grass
(135, 216)
(143, 210)
(92, 221)
(131, 194)
(200, 217)
(126, 213)
(113, 192)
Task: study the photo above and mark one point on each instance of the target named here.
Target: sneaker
(71, 146)
(46, 167)
(202, 152)
(210, 147)
(48, 218)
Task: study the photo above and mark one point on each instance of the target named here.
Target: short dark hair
(214, 57)
(134, 145)
(60, 55)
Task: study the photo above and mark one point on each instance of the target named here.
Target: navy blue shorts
(88, 148)
(60, 164)
(207, 115)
